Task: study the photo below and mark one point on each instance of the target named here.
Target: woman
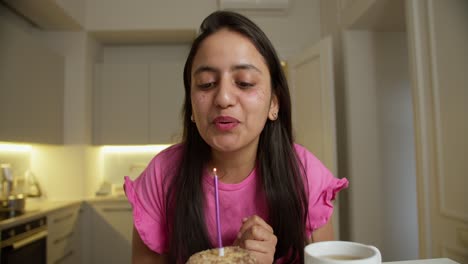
(275, 196)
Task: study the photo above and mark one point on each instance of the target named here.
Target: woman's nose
(225, 94)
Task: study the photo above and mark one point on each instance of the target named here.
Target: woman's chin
(225, 148)
(227, 145)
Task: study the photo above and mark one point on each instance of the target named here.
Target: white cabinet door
(121, 104)
(312, 88)
(438, 34)
(166, 99)
(138, 103)
(31, 88)
(64, 236)
(111, 228)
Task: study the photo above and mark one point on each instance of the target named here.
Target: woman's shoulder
(311, 165)
(165, 162)
(169, 155)
(304, 155)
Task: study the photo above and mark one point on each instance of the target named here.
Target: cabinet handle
(122, 209)
(65, 237)
(62, 218)
(64, 257)
(29, 240)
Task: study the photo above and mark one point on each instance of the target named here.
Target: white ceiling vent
(254, 5)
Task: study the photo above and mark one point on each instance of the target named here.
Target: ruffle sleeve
(321, 206)
(321, 188)
(147, 195)
(148, 223)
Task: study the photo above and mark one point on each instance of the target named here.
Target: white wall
(382, 194)
(176, 53)
(365, 199)
(69, 175)
(76, 9)
(396, 142)
(146, 14)
(294, 31)
(290, 32)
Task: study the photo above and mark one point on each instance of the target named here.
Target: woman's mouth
(225, 123)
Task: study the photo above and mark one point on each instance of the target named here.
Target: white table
(424, 261)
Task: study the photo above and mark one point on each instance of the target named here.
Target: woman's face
(231, 92)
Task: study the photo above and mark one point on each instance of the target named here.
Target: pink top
(147, 195)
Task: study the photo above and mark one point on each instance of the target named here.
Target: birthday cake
(231, 255)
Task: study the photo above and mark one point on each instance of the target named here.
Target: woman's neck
(233, 167)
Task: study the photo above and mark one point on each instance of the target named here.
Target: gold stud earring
(275, 115)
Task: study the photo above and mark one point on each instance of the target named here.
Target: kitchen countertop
(36, 208)
(107, 198)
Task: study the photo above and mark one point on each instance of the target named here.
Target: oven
(24, 243)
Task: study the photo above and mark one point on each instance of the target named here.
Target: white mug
(341, 252)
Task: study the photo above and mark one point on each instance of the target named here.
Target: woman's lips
(225, 123)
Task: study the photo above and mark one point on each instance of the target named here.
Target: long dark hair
(281, 172)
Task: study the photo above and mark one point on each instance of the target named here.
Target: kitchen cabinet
(64, 236)
(166, 99)
(138, 103)
(121, 104)
(110, 230)
(31, 88)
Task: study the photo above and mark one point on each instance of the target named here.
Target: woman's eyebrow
(205, 68)
(245, 67)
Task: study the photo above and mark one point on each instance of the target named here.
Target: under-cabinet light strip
(134, 149)
(15, 147)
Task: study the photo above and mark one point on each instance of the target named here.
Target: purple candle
(218, 222)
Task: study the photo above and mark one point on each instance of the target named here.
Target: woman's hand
(257, 237)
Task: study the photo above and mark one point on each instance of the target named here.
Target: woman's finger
(260, 243)
(257, 232)
(252, 221)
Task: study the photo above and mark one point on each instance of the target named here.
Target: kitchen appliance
(32, 185)
(12, 206)
(6, 179)
(24, 243)
(11, 203)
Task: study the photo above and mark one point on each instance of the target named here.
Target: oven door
(29, 249)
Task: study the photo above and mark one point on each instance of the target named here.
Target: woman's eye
(206, 85)
(244, 85)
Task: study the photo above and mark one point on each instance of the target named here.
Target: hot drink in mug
(336, 252)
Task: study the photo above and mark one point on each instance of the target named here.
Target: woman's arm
(324, 233)
(141, 254)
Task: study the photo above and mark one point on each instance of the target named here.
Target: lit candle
(218, 222)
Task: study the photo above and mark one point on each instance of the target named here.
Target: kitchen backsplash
(19, 158)
(120, 161)
(72, 172)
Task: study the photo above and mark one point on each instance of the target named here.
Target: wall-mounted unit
(254, 5)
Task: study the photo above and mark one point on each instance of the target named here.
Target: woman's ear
(274, 108)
